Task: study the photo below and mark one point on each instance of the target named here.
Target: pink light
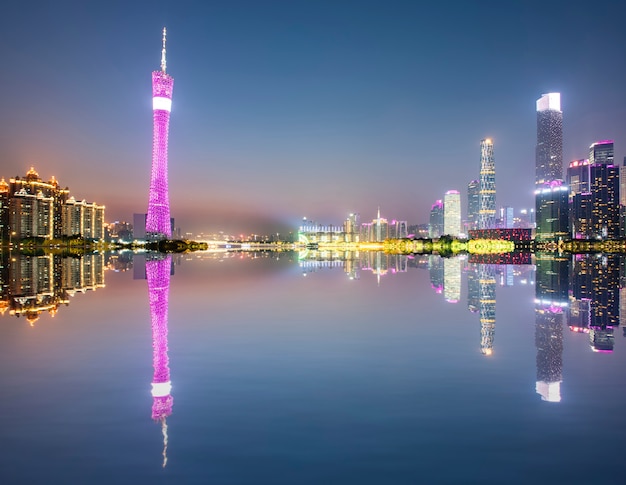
(158, 223)
(158, 275)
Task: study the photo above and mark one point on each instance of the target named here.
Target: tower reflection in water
(158, 270)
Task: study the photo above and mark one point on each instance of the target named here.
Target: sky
(290, 109)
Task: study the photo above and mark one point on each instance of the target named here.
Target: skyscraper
(487, 186)
(452, 213)
(472, 205)
(552, 211)
(158, 224)
(605, 201)
(435, 226)
(578, 177)
(601, 152)
(549, 152)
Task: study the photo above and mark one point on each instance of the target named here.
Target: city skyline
(288, 109)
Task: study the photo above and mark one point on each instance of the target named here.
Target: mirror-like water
(279, 368)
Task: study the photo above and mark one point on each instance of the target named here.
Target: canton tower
(158, 275)
(158, 225)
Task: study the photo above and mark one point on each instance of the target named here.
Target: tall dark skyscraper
(578, 177)
(552, 212)
(473, 189)
(435, 226)
(549, 152)
(487, 186)
(602, 152)
(605, 201)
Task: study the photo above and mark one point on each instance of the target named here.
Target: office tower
(351, 228)
(578, 177)
(398, 229)
(552, 212)
(487, 186)
(487, 306)
(605, 201)
(507, 217)
(549, 152)
(380, 228)
(622, 183)
(581, 216)
(158, 225)
(158, 275)
(472, 205)
(601, 152)
(452, 213)
(435, 226)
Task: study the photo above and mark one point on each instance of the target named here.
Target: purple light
(158, 275)
(158, 219)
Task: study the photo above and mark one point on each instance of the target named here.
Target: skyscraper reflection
(551, 291)
(487, 306)
(158, 270)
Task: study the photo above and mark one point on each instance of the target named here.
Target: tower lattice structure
(158, 225)
(487, 186)
(158, 275)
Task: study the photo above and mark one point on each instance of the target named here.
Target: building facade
(435, 225)
(487, 186)
(33, 208)
(549, 151)
(601, 152)
(552, 212)
(605, 220)
(472, 205)
(452, 213)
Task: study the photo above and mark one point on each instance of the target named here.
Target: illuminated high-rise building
(158, 276)
(578, 177)
(472, 205)
(604, 181)
(158, 224)
(487, 186)
(552, 211)
(549, 151)
(435, 225)
(452, 213)
(601, 152)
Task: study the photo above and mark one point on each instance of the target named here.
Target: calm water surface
(375, 370)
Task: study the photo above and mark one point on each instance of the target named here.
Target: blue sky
(285, 109)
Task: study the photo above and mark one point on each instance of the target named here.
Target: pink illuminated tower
(158, 275)
(158, 225)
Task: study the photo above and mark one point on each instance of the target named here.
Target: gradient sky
(285, 109)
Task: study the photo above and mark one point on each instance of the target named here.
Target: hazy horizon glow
(285, 109)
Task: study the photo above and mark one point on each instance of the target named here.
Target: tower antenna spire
(163, 63)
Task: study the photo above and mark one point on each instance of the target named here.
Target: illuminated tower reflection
(158, 275)
(487, 306)
(551, 290)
